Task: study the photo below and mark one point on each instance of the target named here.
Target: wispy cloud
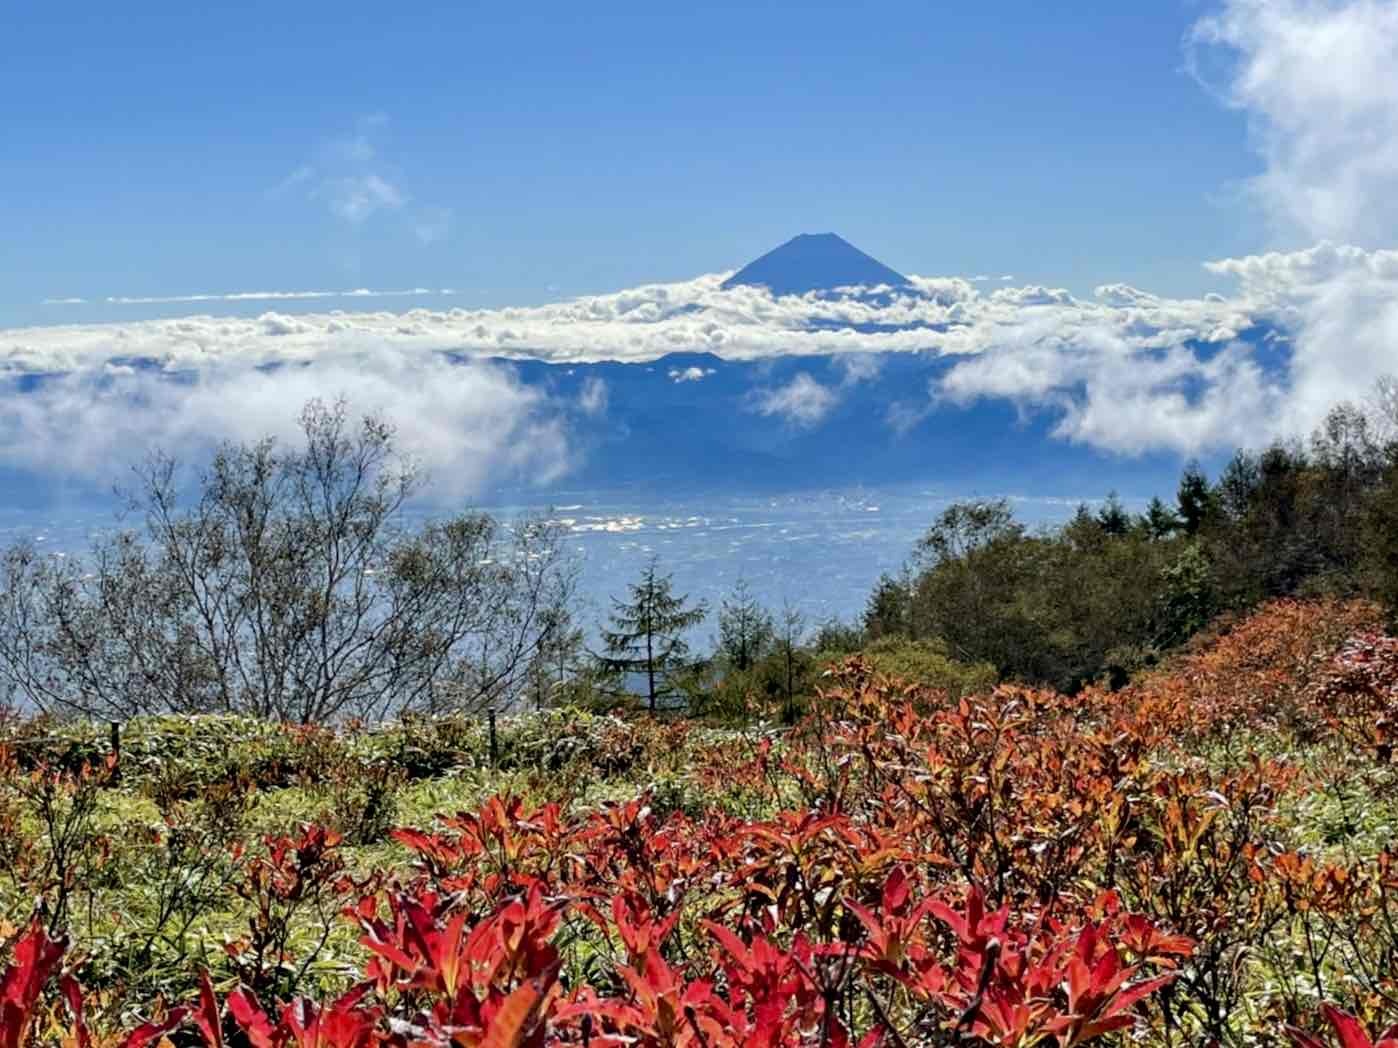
(356, 198)
(351, 178)
(433, 224)
(693, 373)
(300, 177)
(253, 296)
(1316, 82)
(801, 402)
(1315, 79)
(594, 396)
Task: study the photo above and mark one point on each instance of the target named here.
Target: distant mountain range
(694, 422)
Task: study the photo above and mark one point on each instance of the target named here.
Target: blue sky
(520, 153)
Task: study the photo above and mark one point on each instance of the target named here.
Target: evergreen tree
(886, 613)
(647, 634)
(1195, 499)
(745, 628)
(1160, 520)
(1112, 517)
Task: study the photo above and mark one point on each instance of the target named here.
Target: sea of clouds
(1124, 370)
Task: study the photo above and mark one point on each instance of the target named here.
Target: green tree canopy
(647, 633)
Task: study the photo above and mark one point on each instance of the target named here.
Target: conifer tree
(887, 611)
(647, 632)
(745, 628)
(1112, 517)
(1161, 521)
(1195, 499)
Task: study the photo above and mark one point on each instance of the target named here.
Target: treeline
(1109, 592)
(295, 583)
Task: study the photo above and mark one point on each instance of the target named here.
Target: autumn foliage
(1015, 868)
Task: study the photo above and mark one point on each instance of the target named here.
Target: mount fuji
(819, 262)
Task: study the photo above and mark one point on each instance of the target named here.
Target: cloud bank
(936, 315)
(467, 424)
(1123, 370)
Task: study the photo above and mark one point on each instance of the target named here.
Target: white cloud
(594, 396)
(252, 296)
(466, 423)
(692, 373)
(350, 177)
(1315, 78)
(1108, 393)
(802, 402)
(936, 315)
(859, 367)
(902, 416)
(358, 197)
(302, 175)
(1125, 370)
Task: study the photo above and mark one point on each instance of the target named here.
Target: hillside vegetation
(1199, 857)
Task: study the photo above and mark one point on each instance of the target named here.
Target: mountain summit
(814, 262)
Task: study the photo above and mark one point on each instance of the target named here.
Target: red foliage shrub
(1015, 868)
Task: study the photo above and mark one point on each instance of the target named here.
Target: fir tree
(1112, 517)
(1196, 499)
(745, 628)
(647, 634)
(1161, 521)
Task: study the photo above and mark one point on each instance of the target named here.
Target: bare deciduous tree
(290, 586)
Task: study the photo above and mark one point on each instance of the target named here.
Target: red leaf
(1301, 1039)
(144, 1034)
(259, 1029)
(74, 995)
(517, 1015)
(207, 1016)
(1347, 1027)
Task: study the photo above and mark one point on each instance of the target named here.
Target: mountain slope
(814, 262)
